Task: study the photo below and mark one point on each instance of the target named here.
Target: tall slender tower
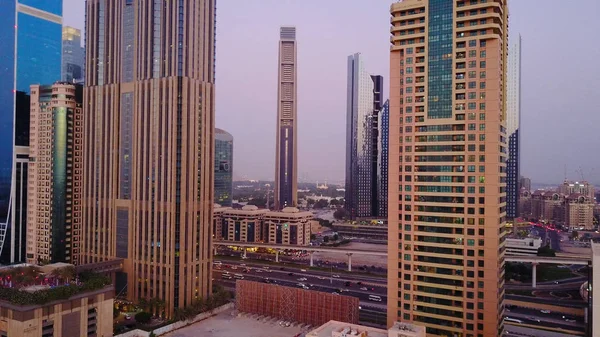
(363, 105)
(447, 165)
(286, 156)
(513, 122)
(148, 163)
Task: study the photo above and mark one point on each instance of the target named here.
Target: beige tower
(286, 156)
(149, 145)
(447, 170)
(54, 185)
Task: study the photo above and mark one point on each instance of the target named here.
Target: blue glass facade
(512, 176)
(30, 54)
(440, 59)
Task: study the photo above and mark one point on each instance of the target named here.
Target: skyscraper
(382, 160)
(364, 102)
(513, 122)
(73, 55)
(286, 152)
(54, 182)
(30, 32)
(148, 161)
(223, 167)
(447, 165)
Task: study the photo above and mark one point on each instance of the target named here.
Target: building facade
(513, 124)
(223, 167)
(523, 247)
(148, 164)
(286, 152)
(54, 187)
(363, 105)
(447, 166)
(29, 29)
(244, 225)
(579, 212)
(73, 55)
(290, 226)
(219, 231)
(382, 160)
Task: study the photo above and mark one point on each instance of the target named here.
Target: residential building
(525, 204)
(244, 225)
(286, 151)
(364, 103)
(447, 166)
(547, 205)
(148, 164)
(73, 55)
(579, 211)
(382, 160)
(289, 226)
(31, 42)
(526, 246)
(572, 187)
(343, 329)
(513, 123)
(223, 167)
(54, 188)
(525, 183)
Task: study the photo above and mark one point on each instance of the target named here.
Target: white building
(527, 246)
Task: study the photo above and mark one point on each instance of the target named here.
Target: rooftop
(229, 324)
(342, 329)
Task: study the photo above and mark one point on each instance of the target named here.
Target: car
(127, 317)
(302, 279)
(304, 270)
(570, 320)
(281, 268)
(335, 276)
(348, 283)
(233, 267)
(290, 274)
(320, 277)
(364, 289)
(545, 311)
(242, 264)
(266, 267)
(359, 283)
(305, 287)
(531, 318)
(259, 271)
(245, 270)
(335, 293)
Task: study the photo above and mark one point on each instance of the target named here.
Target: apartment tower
(286, 153)
(363, 105)
(513, 122)
(54, 187)
(447, 165)
(148, 164)
(30, 36)
(223, 167)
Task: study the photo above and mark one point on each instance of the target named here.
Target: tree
(326, 239)
(310, 201)
(116, 312)
(335, 237)
(546, 251)
(340, 214)
(334, 202)
(313, 236)
(321, 203)
(143, 317)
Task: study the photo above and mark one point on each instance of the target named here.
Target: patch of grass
(552, 273)
(520, 292)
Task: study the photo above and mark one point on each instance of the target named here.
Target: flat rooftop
(338, 329)
(230, 324)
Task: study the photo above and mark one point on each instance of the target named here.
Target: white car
(545, 311)
(259, 271)
(304, 270)
(127, 317)
(364, 288)
(335, 293)
(320, 277)
(302, 279)
(336, 276)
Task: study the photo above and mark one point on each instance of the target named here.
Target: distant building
(223, 167)
(513, 122)
(525, 204)
(73, 55)
(220, 232)
(342, 329)
(570, 187)
(243, 225)
(527, 246)
(525, 183)
(579, 212)
(55, 173)
(382, 160)
(572, 205)
(364, 104)
(290, 226)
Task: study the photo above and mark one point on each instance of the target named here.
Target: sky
(560, 78)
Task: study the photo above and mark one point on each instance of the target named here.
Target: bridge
(534, 260)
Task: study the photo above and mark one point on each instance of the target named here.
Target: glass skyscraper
(73, 55)
(513, 122)
(382, 159)
(223, 167)
(30, 31)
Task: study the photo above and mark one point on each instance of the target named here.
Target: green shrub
(143, 317)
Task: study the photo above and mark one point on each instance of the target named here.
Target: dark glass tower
(30, 31)
(513, 122)
(382, 160)
(223, 167)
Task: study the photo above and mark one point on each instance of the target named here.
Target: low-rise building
(220, 232)
(289, 226)
(579, 211)
(244, 225)
(526, 246)
(342, 329)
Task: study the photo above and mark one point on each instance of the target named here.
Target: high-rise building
(525, 183)
(513, 122)
(382, 161)
(286, 152)
(223, 167)
(31, 42)
(73, 55)
(54, 183)
(148, 163)
(363, 105)
(447, 166)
